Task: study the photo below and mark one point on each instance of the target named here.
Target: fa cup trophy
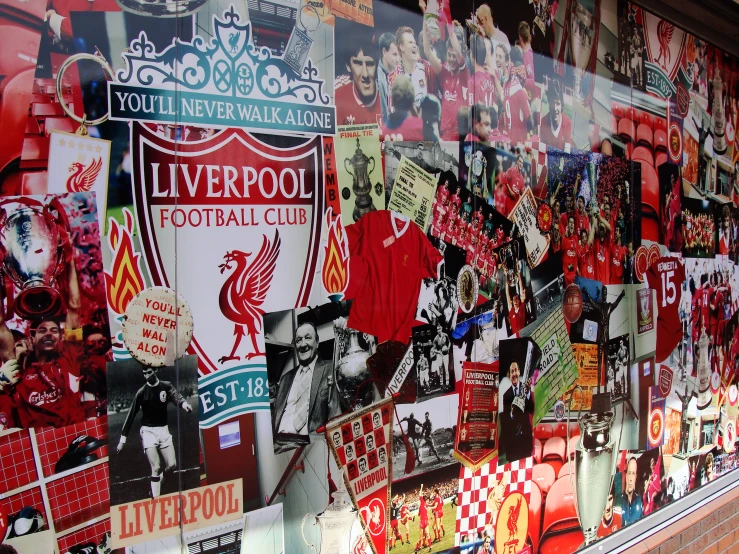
(581, 44)
(595, 463)
(33, 244)
(361, 185)
(335, 522)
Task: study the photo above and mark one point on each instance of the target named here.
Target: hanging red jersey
(396, 256)
(666, 276)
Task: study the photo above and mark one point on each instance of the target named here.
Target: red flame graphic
(125, 279)
(335, 271)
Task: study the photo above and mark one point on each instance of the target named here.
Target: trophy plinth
(361, 185)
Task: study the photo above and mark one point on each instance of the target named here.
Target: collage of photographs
(361, 276)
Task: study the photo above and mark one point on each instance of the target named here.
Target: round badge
(346, 193)
(467, 288)
(675, 142)
(157, 327)
(640, 263)
(656, 422)
(733, 395)
(715, 382)
(654, 255)
(572, 303)
(374, 516)
(544, 218)
(559, 410)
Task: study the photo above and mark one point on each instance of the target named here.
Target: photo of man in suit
(306, 396)
(515, 412)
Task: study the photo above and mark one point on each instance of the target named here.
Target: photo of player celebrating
(160, 432)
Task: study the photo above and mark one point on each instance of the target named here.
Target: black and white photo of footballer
(432, 352)
(165, 392)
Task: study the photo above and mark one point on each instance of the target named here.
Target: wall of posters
(352, 276)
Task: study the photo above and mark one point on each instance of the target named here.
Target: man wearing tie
(306, 398)
(516, 432)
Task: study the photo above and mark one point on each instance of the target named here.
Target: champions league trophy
(531, 349)
(704, 372)
(33, 244)
(595, 463)
(478, 167)
(361, 185)
(431, 20)
(510, 260)
(718, 120)
(335, 522)
(581, 44)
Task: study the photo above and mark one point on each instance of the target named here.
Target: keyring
(69, 61)
(300, 18)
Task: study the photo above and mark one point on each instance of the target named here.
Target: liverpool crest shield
(233, 224)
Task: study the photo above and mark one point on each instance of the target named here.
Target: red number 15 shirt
(666, 276)
(397, 256)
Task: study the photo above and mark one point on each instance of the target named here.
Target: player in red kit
(666, 276)
(437, 510)
(405, 519)
(356, 94)
(586, 264)
(602, 249)
(618, 258)
(395, 507)
(484, 88)
(556, 127)
(47, 394)
(516, 305)
(519, 121)
(402, 124)
(569, 252)
(515, 183)
(423, 522)
(453, 78)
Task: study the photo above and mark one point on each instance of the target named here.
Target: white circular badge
(157, 327)
(733, 395)
(715, 382)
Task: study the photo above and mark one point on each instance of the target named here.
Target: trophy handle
(371, 159)
(569, 460)
(302, 530)
(347, 169)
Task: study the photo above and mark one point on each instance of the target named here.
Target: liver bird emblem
(83, 177)
(243, 293)
(665, 31)
(512, 523)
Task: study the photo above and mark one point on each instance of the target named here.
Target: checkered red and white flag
(362, 444)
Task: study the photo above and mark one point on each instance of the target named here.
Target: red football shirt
(556, 137)
(453, 99)
(397, 256)
(517, 318)
(44, 396)
(614, 525)
(411, 129)
(482, 90)
(617, 264)
(569, 258)
(666, 276)
(438, 506)
(587, 262)
(602, 260)
(516, 181)
(517, 112)
(349, 108)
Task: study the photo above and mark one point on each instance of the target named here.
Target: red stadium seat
(560, 430)
(45, 110)
(660, 123)
(574, 429)
(566, 469)
(650, 227)
(554, 453)
(534, 518)
(543, 475)
(65, 124)
(614, 124)
(660, 157)
(561, 526)
(643, 154)
(35, 183)
(645, 118)
(650, 187)
(660, 139)
(626, 129)
(644, 136)
(537, 451)
(617, 110)
(543, 431)
(13, 114)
